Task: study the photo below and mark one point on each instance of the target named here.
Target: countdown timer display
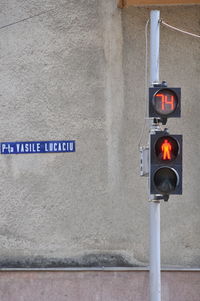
(164, 102)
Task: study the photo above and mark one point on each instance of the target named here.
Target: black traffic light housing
(165, 164)
(164, 102)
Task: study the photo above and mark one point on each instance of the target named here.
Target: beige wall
(77, 72)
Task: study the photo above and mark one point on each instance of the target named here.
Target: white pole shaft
(154, 45)
(155, 269)
(155, 279)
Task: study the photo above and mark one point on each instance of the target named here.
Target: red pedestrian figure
(166, 150)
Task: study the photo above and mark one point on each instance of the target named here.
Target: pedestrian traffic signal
(164, 102)
(165, 163)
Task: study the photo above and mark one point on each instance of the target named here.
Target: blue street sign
(35, 147)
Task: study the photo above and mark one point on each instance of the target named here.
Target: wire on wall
(178, 29)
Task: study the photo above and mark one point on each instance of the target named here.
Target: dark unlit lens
(165, 180)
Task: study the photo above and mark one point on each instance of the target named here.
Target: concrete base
(96, 286)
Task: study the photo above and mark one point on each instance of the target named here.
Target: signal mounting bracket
(164, 197)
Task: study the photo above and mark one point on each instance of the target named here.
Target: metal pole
(154, 45)
(155, 269)
(155, 279)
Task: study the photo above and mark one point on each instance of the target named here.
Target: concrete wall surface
(75, 69)
(95, 286)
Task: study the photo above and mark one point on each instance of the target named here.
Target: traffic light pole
(155, 269)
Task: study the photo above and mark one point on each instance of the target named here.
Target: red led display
(165, 101)
(166, 148)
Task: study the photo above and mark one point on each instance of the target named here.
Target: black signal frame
(156, 164)
(152, 110)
